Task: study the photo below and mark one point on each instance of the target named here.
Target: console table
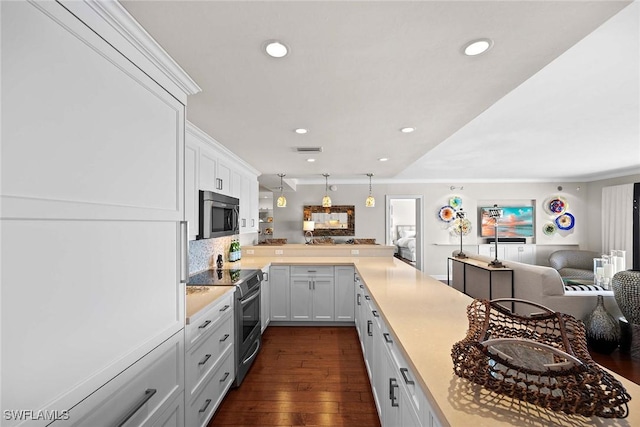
(479, 280)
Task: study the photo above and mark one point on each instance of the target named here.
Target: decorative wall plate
(466, 226)
(549, 228)
(557, 205)
(447, 213)
(455, 202)
(565, 221)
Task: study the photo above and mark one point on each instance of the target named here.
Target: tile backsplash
(203, 253)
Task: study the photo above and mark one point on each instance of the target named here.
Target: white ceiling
(359, 71)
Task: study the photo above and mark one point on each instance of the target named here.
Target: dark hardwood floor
(303, 376)
(316, 376)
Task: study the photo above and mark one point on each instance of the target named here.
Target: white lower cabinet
(139, 396)
(399, 399)
(519, 252)
(173, 416)
(209, 361)
(344, 295)
(312, 293)
(280, 293)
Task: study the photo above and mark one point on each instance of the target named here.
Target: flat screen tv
(516, 221)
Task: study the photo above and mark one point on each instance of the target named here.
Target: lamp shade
(281, 202)
(308, 226)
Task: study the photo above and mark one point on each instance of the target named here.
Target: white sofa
(536, 283)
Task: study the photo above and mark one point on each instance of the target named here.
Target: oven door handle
(249, 299)
(252, 354)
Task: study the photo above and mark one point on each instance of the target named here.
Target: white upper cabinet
(218, 170)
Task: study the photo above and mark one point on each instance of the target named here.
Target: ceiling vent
(306, 150)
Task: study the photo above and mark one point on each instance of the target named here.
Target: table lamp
(308, 227)
(495, 212)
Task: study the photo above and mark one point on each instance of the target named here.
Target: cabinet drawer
(201, 408)
(201, 325)
(204, 356)
(139, 395)
(312, 270)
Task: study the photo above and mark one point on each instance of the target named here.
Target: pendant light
(282, 201)
(370, 202)
(326, 200)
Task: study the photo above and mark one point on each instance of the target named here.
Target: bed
(405, 242)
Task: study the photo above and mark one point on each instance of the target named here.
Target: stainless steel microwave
(218, 215)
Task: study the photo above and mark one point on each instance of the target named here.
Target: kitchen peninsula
(425, 318)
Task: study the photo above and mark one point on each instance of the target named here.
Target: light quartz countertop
(200, 297)
(428, 317)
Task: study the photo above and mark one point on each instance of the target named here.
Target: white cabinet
(312, 293)
(265, 299)
(280, 293)
(209, 368)
(210, 167)
(525, 253)
(138, 396)
(92, 196)
(344, 294)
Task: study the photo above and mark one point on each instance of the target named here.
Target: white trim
(205, 137)
(119, 19)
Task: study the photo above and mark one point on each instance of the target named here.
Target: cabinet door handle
(225, 308)
(387, 337)
(375, 313)
(358, 299)
(369, 330)
(224, 338)
(367, 297)
(265, 276)
(361, 286)
(205, 360)
(244, 222)
(224, 378)
(148, 394)
(205, 324)
(205, 406)
(404, 372)
(253, 222)
(184, 251)
(393, 384)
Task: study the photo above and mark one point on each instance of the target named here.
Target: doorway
(404, 227)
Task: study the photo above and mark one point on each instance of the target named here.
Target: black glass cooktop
(221, 277)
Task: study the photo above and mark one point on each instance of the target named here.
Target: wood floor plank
(303, 376)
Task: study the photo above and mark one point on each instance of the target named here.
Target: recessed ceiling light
(276, 49)
(383, 159)
(301, 131)
(476, 47)
(311, 160)
(407, 130)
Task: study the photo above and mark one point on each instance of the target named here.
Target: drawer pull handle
(375, 313)
(404, 371)
(205, 406)
(223, 379)
(367, 297)
(205, 360)
(359, 302)
(387, 337)
(204, 325)
(369, 330)
(224, 308)
(148, 394)
(224, 338)
(393, 384)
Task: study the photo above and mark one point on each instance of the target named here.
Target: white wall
(438, 242)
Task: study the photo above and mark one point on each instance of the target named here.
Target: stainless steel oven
(248, 330)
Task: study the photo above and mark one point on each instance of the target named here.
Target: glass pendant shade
(326, 200)
(371, 201)
(282, 201)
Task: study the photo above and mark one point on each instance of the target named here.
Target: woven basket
(541, 359)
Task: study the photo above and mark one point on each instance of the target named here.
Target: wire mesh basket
(541, 359)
